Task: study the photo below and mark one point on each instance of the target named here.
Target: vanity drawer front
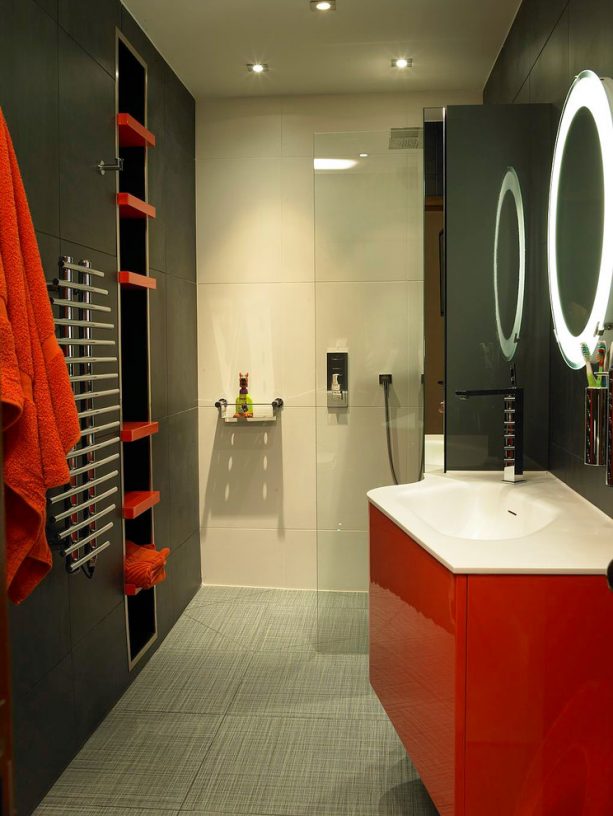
(539, 696)
(417, 656)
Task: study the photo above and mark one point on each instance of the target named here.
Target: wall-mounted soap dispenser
(337, 378)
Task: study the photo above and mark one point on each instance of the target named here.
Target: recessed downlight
(257, 67)
(402, 63)
(323, 5)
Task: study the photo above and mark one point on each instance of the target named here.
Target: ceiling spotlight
(363, 155)
(402, 63)
(257, 67)
(323, 5)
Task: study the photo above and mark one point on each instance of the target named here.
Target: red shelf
(131, 431)
(132, 280)
(137, 502)
(132, 207)
(132, 133)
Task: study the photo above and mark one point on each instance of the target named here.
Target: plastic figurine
(244, 403)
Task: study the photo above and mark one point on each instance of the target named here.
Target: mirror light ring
(588, 92)
(511, 185)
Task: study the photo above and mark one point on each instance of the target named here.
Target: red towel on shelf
(145, 566)
(39, 415)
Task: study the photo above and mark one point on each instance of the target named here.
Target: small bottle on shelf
(244, 403)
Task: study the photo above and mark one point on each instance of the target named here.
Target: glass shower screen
(369, 305)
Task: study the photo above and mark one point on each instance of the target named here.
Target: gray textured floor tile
(241, 623)
(291, 622)
(189, 634)
(307, 684)
(336, 624)
(305, 766)
(137, 760)
(351, 600)
(85, 810)
(197, 680)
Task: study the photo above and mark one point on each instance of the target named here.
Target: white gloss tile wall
(290, 265)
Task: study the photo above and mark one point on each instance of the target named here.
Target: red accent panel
(539, 713)
(132, 134)
(131, 431)
(137, 502)
(132, 280)
(417, 657)
(132, 207)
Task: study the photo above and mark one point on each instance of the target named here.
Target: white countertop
(472, 522)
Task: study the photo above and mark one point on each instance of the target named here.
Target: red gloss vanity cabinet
(499, 686)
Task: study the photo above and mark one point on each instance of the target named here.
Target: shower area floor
(256, 704)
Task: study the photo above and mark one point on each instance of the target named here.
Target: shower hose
(388, 429)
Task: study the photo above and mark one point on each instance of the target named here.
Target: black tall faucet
(513, 433)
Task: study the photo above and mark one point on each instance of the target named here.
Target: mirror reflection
(580, 221)
(509, 263)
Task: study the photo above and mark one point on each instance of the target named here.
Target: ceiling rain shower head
(408, 138)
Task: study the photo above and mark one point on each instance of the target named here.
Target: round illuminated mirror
(580, 227)
(509, 263)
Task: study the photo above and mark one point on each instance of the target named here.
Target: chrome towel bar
(82, 488)
(93, 465)
(92, 448)
(80, 341)
(76, 565)
(83, 541)
(80, 268)
(62, 283)
(88, 377)
(96, 429)
(76, 508)
(86, 522)
(89, 360)
(97, 411)
(79, 304)
(87, 395)
(61, 321)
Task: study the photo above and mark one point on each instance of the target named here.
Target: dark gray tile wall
(549, 43)
(57, 91)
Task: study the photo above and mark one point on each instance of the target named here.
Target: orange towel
(145, 566)
(39, 415)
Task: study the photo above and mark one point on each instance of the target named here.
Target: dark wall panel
(44, 733)
(57, 90)
(29, 99)
(89, 24)
(182, 340)
(576, 35)
(87, 104)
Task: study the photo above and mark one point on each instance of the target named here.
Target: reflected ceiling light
(334, 164)
(323, 5)
(257, 67)
(510, 185)
(402, 63)
(363, 155)
(588, 92)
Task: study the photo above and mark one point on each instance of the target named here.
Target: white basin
(475, 523)
(492, 512)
